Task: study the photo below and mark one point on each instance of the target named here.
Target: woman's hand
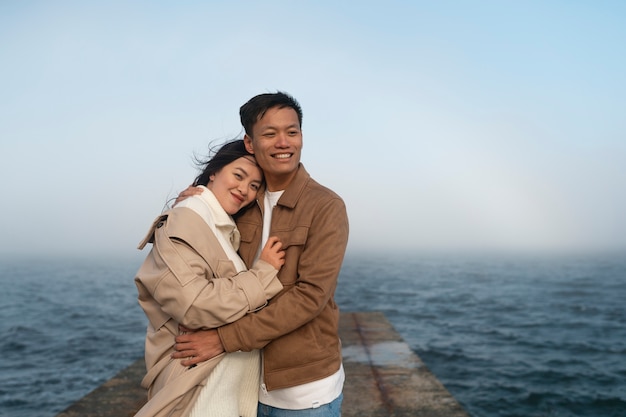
(272, 252)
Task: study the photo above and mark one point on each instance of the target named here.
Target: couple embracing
(239, 284)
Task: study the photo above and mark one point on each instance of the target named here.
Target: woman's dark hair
(218, 158)
(255, 108)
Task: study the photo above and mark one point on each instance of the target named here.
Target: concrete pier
(383, 378)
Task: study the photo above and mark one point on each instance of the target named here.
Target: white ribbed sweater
(232, 388)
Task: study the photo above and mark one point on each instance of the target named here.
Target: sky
(448, 125)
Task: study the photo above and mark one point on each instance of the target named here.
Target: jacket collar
(293, 191)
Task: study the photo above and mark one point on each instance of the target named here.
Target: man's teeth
(282, 155)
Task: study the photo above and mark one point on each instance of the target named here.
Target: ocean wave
(507, 338)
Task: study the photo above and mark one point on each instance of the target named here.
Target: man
(298, 329)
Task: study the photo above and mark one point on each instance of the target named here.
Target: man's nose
(282, 139)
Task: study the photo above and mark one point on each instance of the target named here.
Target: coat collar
(209, 208)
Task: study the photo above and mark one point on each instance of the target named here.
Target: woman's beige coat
(188, 279)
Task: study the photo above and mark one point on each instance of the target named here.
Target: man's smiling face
(276, 143)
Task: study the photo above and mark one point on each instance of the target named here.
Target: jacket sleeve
(312, 288)
(195, 292)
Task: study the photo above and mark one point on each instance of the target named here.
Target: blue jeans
(332, 409)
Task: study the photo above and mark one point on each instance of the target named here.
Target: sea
(509, 335)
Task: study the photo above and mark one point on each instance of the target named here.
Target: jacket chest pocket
(295, 236)
(248, 232)
(292, 238)
(293, 241)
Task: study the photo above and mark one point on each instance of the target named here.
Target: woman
(193, 278)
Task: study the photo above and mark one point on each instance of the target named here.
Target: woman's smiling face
(236, 184)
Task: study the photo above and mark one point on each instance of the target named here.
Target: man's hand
(197, 347)
(187, 192)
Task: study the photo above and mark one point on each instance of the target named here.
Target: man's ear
(247, 141)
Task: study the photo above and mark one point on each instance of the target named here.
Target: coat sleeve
(180, 283)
